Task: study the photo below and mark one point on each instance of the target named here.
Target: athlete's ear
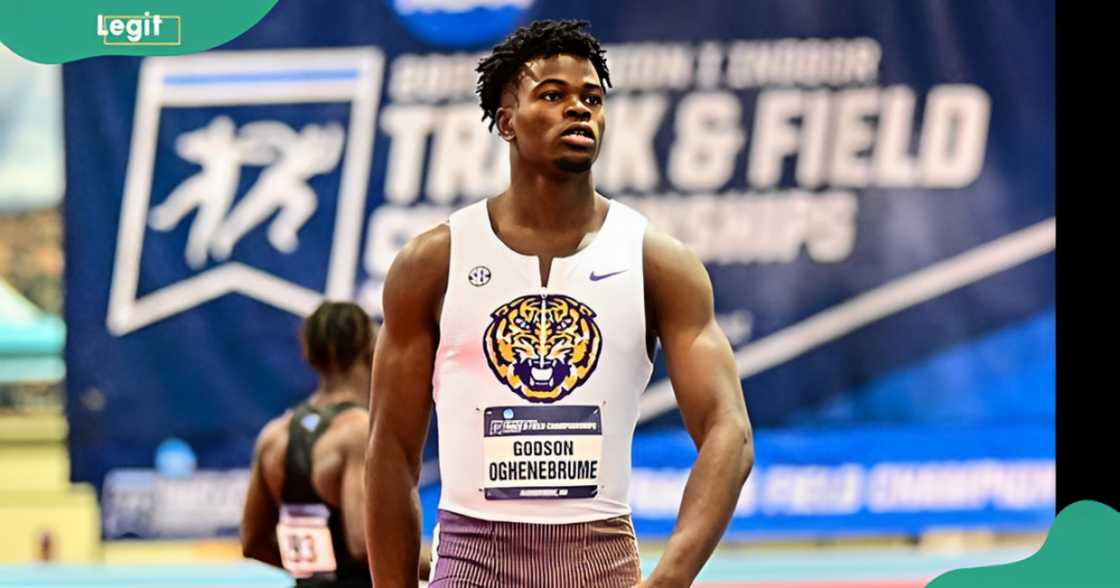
(505, 124)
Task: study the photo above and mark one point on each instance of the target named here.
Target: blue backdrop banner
(859, 481)
(870, 185)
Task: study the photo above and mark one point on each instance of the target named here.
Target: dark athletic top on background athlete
(307, 425)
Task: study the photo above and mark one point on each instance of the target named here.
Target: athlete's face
(554, 113)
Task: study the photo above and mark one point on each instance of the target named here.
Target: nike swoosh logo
(595, 278)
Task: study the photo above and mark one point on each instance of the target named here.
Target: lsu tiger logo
(543, 346)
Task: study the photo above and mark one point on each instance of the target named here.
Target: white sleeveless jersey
(536, 388)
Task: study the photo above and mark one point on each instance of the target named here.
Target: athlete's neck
(352, 386)
(549, 202)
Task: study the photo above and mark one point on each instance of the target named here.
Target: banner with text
(870, 187)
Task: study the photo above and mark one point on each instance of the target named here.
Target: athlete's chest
(545, 342)
(546, 248)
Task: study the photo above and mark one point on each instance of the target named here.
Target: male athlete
(530, 321)
(306, 495)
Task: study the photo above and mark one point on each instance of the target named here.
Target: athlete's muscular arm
(706, 383)
(258, 521)
(401, 404)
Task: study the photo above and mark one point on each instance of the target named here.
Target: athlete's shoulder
(270, 451)
(418, 276)
(347, 433)
(426, 253)
(353, 418)
(431, 244)
(673, 272)
(274, 431)
(352, 428)
(665, 254)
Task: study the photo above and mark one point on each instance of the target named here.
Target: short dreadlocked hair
(542, 38)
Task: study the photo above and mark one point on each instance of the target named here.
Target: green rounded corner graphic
(1082, 549)
(59, 31)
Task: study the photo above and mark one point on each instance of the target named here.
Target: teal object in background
(246, 574)
(31, 341)
(848, 567)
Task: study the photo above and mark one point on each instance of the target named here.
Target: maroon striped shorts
(494, 554)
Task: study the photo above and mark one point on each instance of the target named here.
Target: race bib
(305, 540)
(547, 452)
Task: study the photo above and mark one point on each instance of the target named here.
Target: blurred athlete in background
(304, 510)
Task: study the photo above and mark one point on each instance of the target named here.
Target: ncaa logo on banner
(237, 158)
(460, 23)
